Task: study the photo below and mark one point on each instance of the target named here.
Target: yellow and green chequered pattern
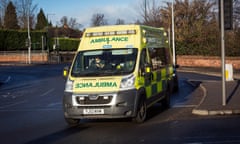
(158, 82)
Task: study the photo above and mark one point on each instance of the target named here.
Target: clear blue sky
(83, 10)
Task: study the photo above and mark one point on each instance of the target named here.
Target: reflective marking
(47, 92)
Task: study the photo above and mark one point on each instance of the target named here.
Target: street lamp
(221, 3)
(29, 37)
(173, 36)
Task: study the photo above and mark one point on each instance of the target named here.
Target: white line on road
(13, 104)
(54, 104)
(30, 110)
(7, 80)
(47, 92)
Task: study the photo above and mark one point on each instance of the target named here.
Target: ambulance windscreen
(106, 62)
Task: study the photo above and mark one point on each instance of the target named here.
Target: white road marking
(7, 80)
(54, 104)
(47, 92)
(13, 104)
(30, 110)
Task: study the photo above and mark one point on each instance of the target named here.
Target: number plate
(93, 111)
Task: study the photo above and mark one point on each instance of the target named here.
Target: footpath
(212, 100)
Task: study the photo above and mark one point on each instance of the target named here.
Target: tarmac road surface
(31, 112)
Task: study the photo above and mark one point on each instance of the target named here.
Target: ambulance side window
(158, 57)
(143, 60)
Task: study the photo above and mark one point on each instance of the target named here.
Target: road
(31, 112)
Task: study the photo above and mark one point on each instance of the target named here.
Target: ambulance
(118, 72)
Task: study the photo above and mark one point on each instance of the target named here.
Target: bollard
(229, 72)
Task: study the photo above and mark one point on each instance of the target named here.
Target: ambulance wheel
(166, 100)
(141, 113)
(175, 84)
(72, 122)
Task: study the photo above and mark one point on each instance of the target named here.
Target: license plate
(93, 111)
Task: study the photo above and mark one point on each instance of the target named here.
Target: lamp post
(173, 36)
(29, 37)
(223, 53)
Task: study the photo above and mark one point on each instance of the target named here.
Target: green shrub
(12, 40)
(65, 44)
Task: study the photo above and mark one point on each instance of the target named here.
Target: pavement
(212, 102)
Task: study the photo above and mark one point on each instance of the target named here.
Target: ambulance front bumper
(121, 104)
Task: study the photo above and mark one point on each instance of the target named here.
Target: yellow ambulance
(118, 72)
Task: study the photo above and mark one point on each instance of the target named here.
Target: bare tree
(71, 23)
(150, 12)
(64, 21)
(196, 27)
(98, 20)
(236, 13)
(26, 9)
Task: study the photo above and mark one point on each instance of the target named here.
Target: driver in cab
(97, 63)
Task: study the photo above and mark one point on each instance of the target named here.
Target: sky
(83, 10)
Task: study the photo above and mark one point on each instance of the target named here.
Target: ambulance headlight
(69, 86)
(127, 82)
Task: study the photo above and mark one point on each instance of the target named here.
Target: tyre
(141, 112)
(72, 122)
(175, 84)
(166, 100)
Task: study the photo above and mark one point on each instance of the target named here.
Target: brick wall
(189, 61)
(204, 61)
(23, 58)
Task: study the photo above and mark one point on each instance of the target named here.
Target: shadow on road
(51, 138)
(234, 91)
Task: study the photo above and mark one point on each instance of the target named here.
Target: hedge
(65, 44)
(12, 40)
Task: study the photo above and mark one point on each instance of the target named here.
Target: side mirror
(147, 70)
(65, 72)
